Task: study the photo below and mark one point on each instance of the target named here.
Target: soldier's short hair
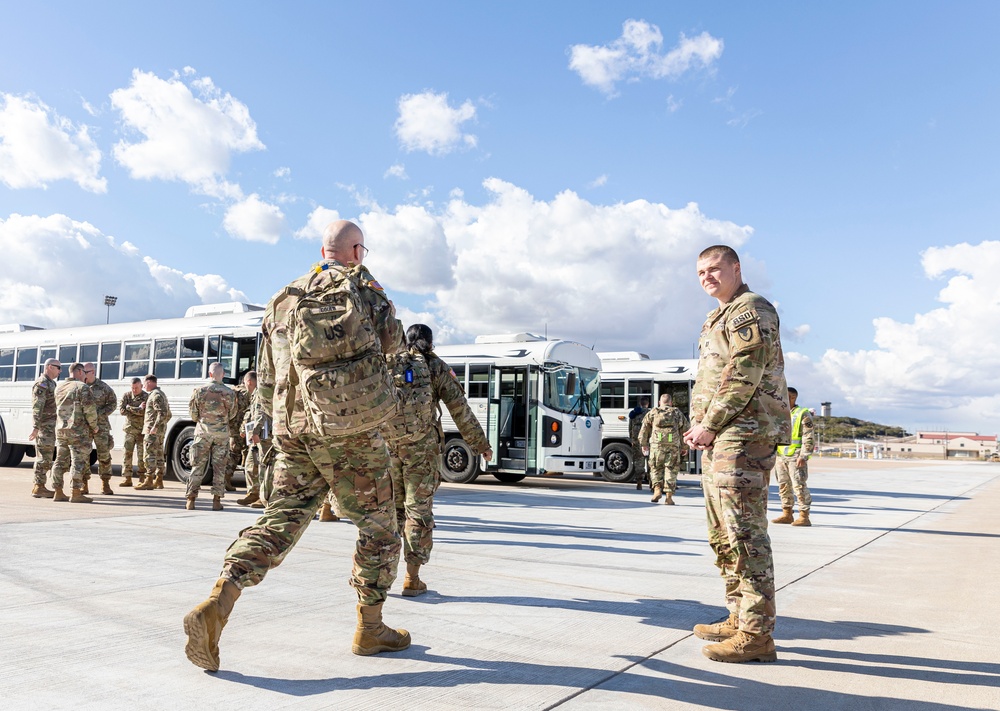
(250, 375)
(214, 367)
(151, 378)
(52, 361)
(723, 250)
(75, 367)
(669, 397)
(644, 401)
(793, 391)
(137, 380)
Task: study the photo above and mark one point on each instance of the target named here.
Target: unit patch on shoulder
(744, 318)
(375, 285)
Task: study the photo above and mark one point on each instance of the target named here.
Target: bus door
(237, 355)
(508, 417)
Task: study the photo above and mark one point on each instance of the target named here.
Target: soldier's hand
(256, 439)
(699, 438)
(800, 462)
(488, 455)
(33, 434)
(645, 451)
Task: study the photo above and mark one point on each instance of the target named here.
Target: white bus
(176, 350)
(536, 399)
(625, 378)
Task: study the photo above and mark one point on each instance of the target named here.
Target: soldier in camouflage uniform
(133, 408)
(415, 438)
(76, 427)
(43, 418)
(792, 467)
(635, 416)
(106, 402)
(237, 438)
(251, 462)
(739, 407)
(661, 439)
(213, 408)
(154, 428)
(336, 308)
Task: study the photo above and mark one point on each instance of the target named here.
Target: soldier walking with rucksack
(322, 376)
(415, 439)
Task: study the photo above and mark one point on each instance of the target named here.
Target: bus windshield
(572, 390)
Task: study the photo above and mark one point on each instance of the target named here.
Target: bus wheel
(508, 478)
(617, 462)
(459, 465)
(11, 455)
(180, 454)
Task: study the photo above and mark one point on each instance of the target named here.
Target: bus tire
(509, 478)
(617, 462)
(93, 457)
(180, 454)
(11, 455)
(459, 465)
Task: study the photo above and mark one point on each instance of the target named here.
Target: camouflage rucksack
(336, 355)
(414, 418)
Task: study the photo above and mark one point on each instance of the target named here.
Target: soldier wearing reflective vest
(791, 469)
(661, 440)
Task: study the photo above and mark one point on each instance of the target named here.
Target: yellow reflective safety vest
(796, 442)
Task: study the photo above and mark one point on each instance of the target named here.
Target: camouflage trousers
(133, 442)
(638, 462)
(252, 465)
(792, 479)
(416, 474)
(73, 456)
(735, 482)
(305, 468)
(664, 463)
(237, 449)
(153, 453)
(205, 453)
(104, 442)
(45, 444)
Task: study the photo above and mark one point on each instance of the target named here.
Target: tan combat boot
(785, 517)
(58, 495)
(40, 492)
(190, 503)
(216, 503)
(158, 481)
(326, 513)
(146, 484)
(657, 492)
(669, 501)
(86, 486)
(126, 480)
(742, 647)
(230, 486)
(412, 584)
(372, 636)
(258, 504)
(203, 625)
(77, 497)
(251, 497)
(803, 519)
(106, 487)
(720, 631)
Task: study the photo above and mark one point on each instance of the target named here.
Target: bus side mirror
(571, 384)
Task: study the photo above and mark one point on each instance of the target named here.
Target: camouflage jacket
(131, 407)
(43, 403)
(278, 395)
(106, 402)
(260, 420)
(740, 392)
(213, 407)
(157, 412)
(663, 428)
(76, 411)
(635, 418)
(446, 389)
(242, 407)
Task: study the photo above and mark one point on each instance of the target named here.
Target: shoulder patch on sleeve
(372, 284)
(742, 319)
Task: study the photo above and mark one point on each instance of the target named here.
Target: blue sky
(529, 166)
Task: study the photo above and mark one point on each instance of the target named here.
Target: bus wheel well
(459, 464)
(178, 454)
(617, 458)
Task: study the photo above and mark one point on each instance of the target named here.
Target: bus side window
(193, 357)
(111, 360)
(479, 381)
(639, 389)
(67, 356)
(6, 365)
(88, 353)
(165, 358)
(137, 359)
(27, 364)
(612, 394)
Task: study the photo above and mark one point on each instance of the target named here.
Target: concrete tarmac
(552, 593)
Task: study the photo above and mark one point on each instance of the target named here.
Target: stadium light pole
(110, 301)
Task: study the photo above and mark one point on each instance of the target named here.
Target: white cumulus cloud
(317, 221)
(174, 134)
(397, 170)
(38, 147)
(620, 276)
(254, 220)
(638, 53)
(56, 271)
(428, 123)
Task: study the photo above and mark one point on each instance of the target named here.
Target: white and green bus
(538, 402)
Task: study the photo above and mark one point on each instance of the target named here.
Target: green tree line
(849, 428)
